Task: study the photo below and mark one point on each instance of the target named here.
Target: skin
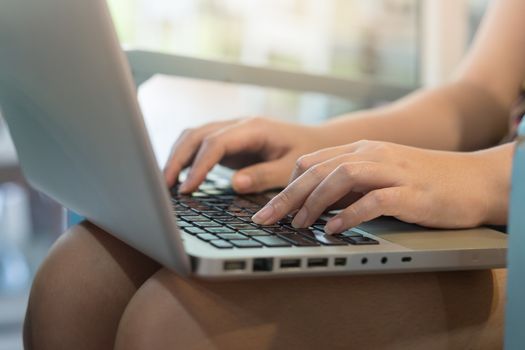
(370, 179)
(429, 153)
(451, 188)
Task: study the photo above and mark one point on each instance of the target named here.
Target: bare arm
(468, 113)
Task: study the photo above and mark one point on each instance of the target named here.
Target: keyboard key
(198, 195)
(207, 224)
(231, 236)
(219, 230)
(222, 218)
(239, 227)
(213, 191)
(245, 219)
(272, 241)
(219, 243)
(286, 220)
(262, 227)
(194, 230)
(206, 236)
(291, 228)
(321, 237)
(298, 240)
(252, 232)
(350, 233)
(259, 199)
(243, 203)
(240, 214)
(195, 218)
(186, 212)
(248, 243)
(183, 223)
(278, 230)
(210, 214)
(320, 221)
(361, 240)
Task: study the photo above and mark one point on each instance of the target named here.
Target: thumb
(262, 176)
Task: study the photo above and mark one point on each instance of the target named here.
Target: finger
(294, 195)
(227, 141)
(386, 201)
(309, 160)
(185, 148)
(359, 177)
(263, 176)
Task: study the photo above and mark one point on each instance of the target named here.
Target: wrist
(494, 168)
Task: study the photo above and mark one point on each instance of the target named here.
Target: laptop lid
(70, 103)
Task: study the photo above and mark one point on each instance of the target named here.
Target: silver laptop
(70, 102)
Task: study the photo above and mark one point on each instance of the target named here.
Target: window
(374, 39)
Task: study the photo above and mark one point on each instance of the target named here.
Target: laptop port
(290, 263)
(234, 265)
(262, 264)
(406, 259)
(364, 261)
(384, 260)
(340, 261)
(317, 262)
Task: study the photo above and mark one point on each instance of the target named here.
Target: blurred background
(406, 43)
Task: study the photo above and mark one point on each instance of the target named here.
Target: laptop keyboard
(222, 218)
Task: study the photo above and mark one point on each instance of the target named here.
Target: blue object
(73, 218)
(515, 310)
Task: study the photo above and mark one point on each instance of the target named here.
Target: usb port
(290, 263)
(340, 261)
(317, 262)
(263, 264)
(234, 265)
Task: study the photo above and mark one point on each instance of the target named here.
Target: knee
(79, 293)
(155, 317)
(142, 316)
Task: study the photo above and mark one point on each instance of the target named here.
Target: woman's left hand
(370, 179)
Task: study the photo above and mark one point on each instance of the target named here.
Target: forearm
(458, 116)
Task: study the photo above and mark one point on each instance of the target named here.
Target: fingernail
(263, 215)
(242, 182)
(300, 218)
(334, 226)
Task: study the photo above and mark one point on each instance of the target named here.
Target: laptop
(70, 102)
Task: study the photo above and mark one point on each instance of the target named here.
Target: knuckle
(382, 147)
(362, 143)
(283, 200)
(303, 163)
(348, 170)
(188, 133)
(316, 172)
(381, 199)
(210, 141)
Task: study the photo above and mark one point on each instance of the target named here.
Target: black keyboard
(223, 219)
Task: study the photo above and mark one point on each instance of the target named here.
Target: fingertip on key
(334, 226)
(263, 215)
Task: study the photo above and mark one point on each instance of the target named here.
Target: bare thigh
(448, 310)
(82, 289)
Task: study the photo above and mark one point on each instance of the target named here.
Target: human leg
(446, 310)
(82, 289)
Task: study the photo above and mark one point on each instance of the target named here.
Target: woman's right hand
(263, 150)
